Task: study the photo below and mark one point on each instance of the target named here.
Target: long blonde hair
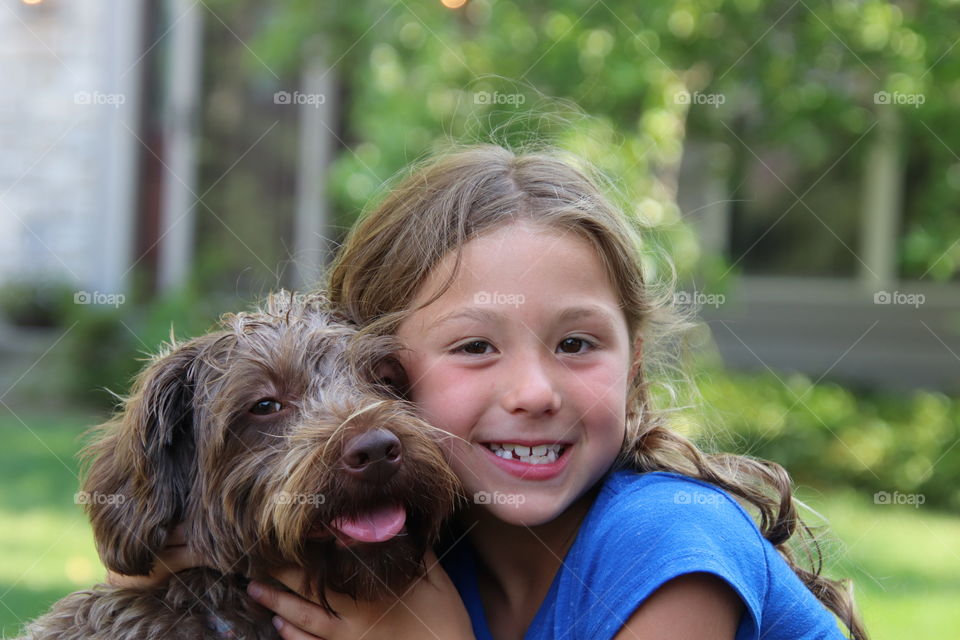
(442, 204)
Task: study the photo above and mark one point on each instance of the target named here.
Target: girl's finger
(170, 561)
(288, 631)
(291, 577)
(294, 610)
(176, 559)
(430, 559)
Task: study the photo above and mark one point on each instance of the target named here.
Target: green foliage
(108, 346)
(35, 302)
(828, 436)
(801, 77)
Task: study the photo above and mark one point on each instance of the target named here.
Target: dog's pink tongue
(374, 526)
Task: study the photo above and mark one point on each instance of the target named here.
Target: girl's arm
(694, 606)
(431, 608)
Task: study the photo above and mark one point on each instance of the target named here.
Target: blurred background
(164, 161)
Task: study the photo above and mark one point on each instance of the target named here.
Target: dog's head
(282, 437)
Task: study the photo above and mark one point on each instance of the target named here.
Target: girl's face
(525, 358)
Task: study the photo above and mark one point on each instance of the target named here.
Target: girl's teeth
(539, 454)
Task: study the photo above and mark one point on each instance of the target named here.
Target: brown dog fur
(186, 448)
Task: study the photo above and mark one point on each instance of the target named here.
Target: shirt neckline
(479, 613)
(472, 585)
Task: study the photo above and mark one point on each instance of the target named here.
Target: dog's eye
(265, 407)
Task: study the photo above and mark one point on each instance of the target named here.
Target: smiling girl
(518, 294)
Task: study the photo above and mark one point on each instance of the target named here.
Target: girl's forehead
(519, 252)
(519, 264)
(525, 256)
(521, 245)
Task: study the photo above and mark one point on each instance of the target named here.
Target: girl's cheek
(610, 404)
(601, 382)
(445, 399)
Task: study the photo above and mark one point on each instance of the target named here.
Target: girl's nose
(529, 388)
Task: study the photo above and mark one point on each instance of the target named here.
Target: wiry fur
(185, 448)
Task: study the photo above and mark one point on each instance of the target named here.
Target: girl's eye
(478, 347)
(472, 347)
(266, 407)
(575, 342)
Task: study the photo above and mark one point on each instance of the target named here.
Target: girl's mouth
(531, 462)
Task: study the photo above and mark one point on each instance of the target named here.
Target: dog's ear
(143, 463)
(390, 373)
(373, 359)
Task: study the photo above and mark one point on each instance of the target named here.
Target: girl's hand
(430, 608)
(174, 557)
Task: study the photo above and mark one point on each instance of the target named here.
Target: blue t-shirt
(645, 529)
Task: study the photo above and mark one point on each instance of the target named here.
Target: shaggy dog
(276, 439)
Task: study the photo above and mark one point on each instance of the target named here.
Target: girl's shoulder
(635, 498)
(645, 529)
(631, 480)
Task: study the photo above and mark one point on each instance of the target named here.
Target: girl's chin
(519, 509)
(526, 517)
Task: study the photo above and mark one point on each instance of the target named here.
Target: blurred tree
(752, 75)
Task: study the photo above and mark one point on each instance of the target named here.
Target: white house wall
(67, 148)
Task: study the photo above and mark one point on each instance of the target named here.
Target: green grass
(904, 561)
(45, 543)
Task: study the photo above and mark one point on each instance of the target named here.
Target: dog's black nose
(373, 456)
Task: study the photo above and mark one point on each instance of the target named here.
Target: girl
(517, 292)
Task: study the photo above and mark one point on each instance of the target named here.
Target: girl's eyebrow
(470, 313)
(489, 315)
